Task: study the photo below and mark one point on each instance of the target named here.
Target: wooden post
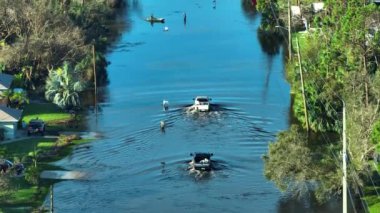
(302, 85)
(51, 199)
(289, 33)
(95, 89)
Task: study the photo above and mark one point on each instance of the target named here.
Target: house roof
(5, 81)
(296, 10)
(317, 6)
(9, 115)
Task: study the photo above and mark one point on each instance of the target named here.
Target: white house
(8, 121)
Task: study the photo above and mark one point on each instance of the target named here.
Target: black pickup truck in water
(201, 161)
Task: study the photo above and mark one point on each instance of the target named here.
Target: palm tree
(18, 99)
(4, 96)
(63, 87)
(14, 99)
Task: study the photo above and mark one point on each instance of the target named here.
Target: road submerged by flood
(136, 167)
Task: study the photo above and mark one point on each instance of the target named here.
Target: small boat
(154, 19)
(201, 161)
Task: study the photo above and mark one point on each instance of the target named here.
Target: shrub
(375, 135)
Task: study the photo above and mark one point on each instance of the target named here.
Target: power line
(363, 201)
(288, 43)
(361, 190)
(373, 183)
(344, 156)
(352, 200)
(369, 175)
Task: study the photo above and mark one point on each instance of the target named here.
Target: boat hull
(158, 20)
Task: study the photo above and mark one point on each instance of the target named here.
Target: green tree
(301, 167)
(63, 87)
(18, 99)
(32, 175)
(15, 99)
(270, 15)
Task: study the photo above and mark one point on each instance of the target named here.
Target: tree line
(340, 65)
(39, 39)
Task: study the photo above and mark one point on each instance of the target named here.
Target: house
(317, 6)
(299, 22)
(296, 11)
(8, 121)
(5, 84)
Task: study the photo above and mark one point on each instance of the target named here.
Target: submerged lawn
(25, 194)
(27, 147)
(56, 119)
(46, 111)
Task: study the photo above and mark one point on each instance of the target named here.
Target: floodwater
(136, 167)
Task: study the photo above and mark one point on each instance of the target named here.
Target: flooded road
(138, 168)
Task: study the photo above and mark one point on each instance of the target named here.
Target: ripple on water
(124, 160)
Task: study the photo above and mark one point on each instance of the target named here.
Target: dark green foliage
(340, 63)
(94, 18)
(269, 15)
(39, 36)
(32, 175)
(270, 41)
(300, 166)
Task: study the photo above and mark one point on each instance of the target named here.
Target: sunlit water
(138, 168)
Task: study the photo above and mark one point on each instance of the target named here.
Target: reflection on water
(270, 42)
(249, 9)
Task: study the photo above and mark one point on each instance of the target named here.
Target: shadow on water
(304, 204)
(88, 99)
(136, 7)
(249, 10)
(267, 77)
(270, 41)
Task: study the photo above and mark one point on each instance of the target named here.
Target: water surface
(138, 168)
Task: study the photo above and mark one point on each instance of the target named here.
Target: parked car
(36, 126)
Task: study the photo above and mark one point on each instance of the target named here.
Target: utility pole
(95, 90)
(51, 199)
(289, 33)
(344, 161)
(302, 86)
